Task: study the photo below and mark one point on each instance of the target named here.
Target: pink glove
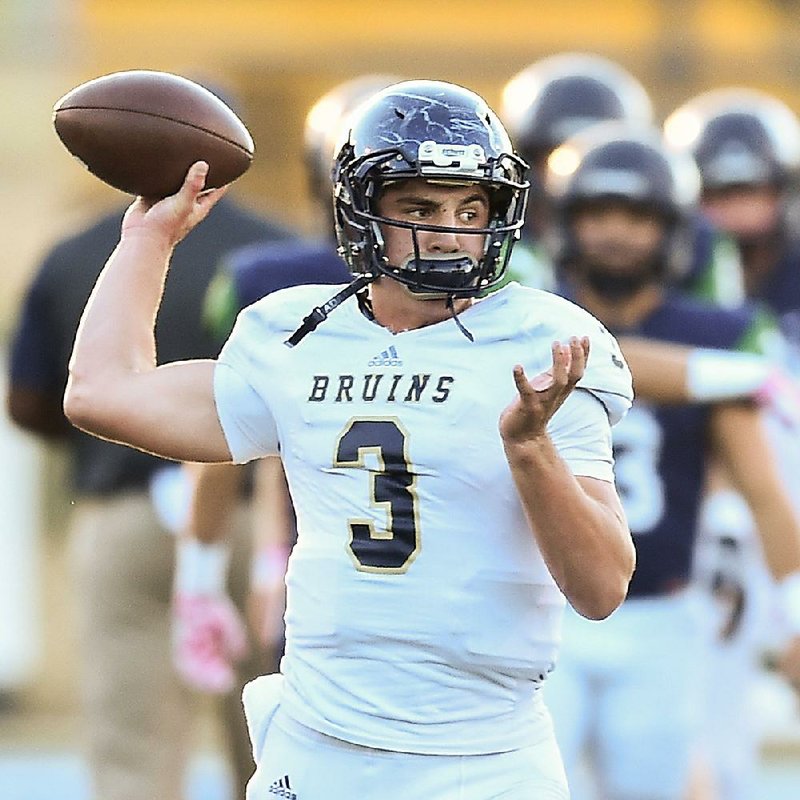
(209, 637)
(208, 634)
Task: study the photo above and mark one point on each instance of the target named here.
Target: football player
(625, 205)
(450, 497)
(542, 105)
(747, 146)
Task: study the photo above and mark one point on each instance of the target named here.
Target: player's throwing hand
(173, 217)
(526, 418)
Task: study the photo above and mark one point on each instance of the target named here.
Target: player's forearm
(666, 372)
(273, 524)
(749, 458)
(659, 369)
(115, 339)
(215, 493)
(584, 541)
(780, 536)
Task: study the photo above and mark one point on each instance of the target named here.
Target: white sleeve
(243, 410)
(246, 420)
(607, 375)
(581, 432)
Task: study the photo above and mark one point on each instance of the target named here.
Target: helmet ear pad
(439, 132)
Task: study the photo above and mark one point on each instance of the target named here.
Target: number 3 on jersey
(637, 450)
(392, 487)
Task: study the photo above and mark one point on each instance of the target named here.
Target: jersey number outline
(392, 488)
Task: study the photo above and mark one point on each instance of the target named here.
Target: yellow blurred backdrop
(279, 56)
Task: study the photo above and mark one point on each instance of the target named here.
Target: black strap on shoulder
(320, 313)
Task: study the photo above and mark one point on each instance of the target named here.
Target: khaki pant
(137, 713)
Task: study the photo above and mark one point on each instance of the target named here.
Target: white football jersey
(420, 614)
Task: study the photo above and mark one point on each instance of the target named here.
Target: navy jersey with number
(661, 451)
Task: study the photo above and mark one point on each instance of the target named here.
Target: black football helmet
(614, 161)
(555, 98)
(436, 131)
(324, 122)
(738, 137)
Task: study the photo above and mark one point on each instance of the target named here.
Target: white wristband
(724, 375)
(200, 568)
(269, 566)
(789, 597)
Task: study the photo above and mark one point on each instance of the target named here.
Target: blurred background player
(559, 96)
(136, 712)
(566, 93)
(244, 277)
(747, 146)
(541, 106)
(630, 688)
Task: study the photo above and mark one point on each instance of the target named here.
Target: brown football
(140, 131)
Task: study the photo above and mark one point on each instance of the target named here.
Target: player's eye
(470, 216)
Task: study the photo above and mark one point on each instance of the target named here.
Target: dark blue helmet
(738, 137)
(614, 162)
(437, 131)
(555, 98)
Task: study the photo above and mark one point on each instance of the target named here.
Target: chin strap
(459, 323)
(320, 313)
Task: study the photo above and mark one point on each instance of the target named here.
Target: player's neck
(621, 313)
(394, 307)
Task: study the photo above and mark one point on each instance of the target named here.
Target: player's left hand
(209, 638)
(527, 416)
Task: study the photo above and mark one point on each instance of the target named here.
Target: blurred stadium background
(279, 56)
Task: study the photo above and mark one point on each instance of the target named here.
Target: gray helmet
(614, 161)
(556, 97)
(738, 137)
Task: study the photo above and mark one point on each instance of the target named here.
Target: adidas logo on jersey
(388, 358)
(282, 788)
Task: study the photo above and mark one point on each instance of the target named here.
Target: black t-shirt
(43, 340)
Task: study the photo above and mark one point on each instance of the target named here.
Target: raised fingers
(579, 353)
(521, 381)
(562, 362)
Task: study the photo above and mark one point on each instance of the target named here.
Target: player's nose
(443, 241)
